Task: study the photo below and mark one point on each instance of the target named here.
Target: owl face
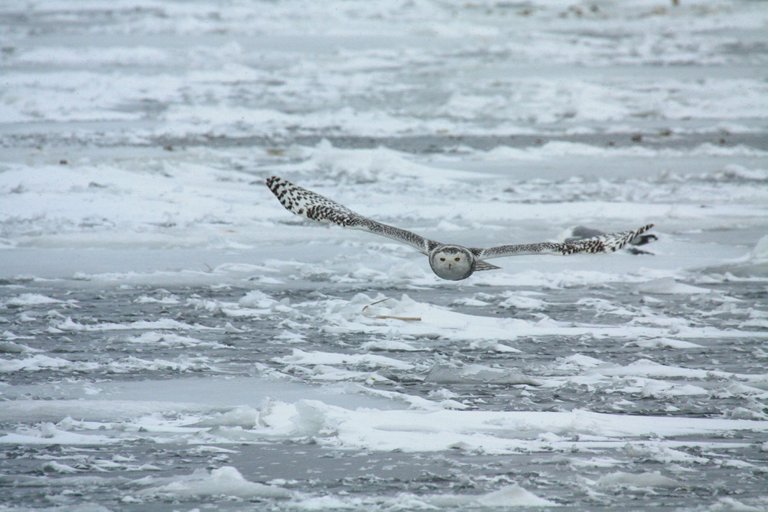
(452, 262)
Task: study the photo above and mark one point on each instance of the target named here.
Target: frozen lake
(171, 338)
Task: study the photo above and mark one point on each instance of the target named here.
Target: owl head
(452, 262)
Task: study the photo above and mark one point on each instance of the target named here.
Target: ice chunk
(224, 481)
(329, 358)
(668, 285)
(476, 373)
(639, 480)
(30, 299)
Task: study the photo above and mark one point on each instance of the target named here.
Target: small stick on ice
(388, 317)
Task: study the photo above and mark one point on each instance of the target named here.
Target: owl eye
(442, 259)
(457, 258)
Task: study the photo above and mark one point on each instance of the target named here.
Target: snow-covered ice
(172, 338)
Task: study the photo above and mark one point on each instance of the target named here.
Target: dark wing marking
(315, 207)
(581, 232)
(603, 243)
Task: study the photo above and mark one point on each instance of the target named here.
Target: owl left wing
(604, 243)
(319, 208)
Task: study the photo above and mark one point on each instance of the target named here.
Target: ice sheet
(170, 336)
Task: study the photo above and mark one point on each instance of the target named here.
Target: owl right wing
(315, 207)
(603, 243)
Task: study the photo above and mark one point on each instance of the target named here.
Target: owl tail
(484, 265)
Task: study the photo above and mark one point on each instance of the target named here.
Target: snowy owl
(448, 261)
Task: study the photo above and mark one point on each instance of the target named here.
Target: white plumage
(448, 261)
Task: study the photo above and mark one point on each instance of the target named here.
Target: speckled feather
(319, 208)
(311, 205)
(610, 242)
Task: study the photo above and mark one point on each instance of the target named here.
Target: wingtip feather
(275, 182)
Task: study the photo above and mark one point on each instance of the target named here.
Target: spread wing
(603, 243)
(582, 232)
(315, 207)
